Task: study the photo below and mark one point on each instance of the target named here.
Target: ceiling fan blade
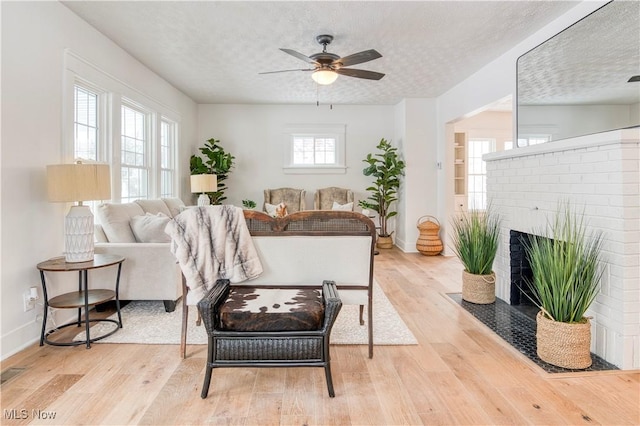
(299, 56)
(369, 75)
(358, 58)
(275, 72)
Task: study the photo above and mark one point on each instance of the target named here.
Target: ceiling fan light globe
(324, 77)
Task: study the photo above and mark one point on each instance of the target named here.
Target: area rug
(147, 322)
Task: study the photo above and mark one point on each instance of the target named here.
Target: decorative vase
(566, 345)
(384, 242)
(479, 289)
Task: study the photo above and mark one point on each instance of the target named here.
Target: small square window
(315, 149)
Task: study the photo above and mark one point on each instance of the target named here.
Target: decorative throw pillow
(150, 228)
(346, 207)
(276, 210)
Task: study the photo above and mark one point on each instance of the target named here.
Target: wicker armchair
(324, 198)
(266, 348)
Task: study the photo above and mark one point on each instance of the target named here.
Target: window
(477, 172)
(108, 121)
(526, 140)
(167, 156)
(134, 153)
(85, 124)
(315, 149)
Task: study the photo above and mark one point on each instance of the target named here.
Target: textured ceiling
(214, 51)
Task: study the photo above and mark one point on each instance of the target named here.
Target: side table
(83, 298)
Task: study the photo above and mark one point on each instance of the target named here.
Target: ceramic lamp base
(203, 200)
(78, 243)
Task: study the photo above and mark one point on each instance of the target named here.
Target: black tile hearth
(518, 328)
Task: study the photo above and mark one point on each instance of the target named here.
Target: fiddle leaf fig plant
(215, 161)
(386, 168)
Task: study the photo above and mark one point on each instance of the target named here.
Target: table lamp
(77, 183)
(202, 184)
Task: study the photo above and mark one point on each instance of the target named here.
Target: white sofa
(136, 231)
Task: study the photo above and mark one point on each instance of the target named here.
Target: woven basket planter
(566, 345)
(384, 242)
(479, 289)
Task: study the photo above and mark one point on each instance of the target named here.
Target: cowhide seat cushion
(271, 309)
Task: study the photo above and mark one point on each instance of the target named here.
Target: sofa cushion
(276, 210)
(150, 228)
(154, 206)
(115, 219)
(175, 206)
(272, 309)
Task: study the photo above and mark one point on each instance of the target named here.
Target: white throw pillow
(115, 220)
(150, 228)
(337, 206)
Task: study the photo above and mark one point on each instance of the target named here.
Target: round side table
(83, 298)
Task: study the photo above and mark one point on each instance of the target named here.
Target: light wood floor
(459, 373)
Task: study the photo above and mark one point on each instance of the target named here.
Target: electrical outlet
(29, 303)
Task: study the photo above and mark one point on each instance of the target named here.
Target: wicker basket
(429, 243)
(384, 242)
(566, 345)
(479, 289)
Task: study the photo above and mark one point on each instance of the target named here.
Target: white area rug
(147, 322)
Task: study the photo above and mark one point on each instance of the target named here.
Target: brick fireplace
(600, 173)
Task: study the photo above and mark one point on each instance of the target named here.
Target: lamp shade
(78, 182)
(324, 76)
(203, 183)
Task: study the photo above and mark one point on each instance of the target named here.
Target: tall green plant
(216, 161)
(386, 167)
(566, 267)
(475, 239)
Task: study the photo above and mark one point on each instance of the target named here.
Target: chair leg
(370, 318)
(185, 320)
(361, 314)
(327, 373)
(207, 375)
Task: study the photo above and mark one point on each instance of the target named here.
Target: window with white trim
(477, 172)
(134, 154)
(167, 157)
(108, 121)
(85, 124)
(315, 149)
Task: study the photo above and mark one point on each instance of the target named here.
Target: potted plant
(475, 241)
(216, 161)
(249, 204)
(386, 167)
(566, 276)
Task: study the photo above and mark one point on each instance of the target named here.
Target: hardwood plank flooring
(459, 373)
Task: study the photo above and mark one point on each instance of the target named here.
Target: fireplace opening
(521, 294)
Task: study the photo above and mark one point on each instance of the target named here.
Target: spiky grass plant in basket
(567, 268)
(475, 241)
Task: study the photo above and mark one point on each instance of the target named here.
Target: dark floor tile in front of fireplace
(519, 330)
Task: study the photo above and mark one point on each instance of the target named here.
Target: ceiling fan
(327, 66)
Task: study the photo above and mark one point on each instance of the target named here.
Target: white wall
(34, 36)
(254, 134)
(415, 121)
